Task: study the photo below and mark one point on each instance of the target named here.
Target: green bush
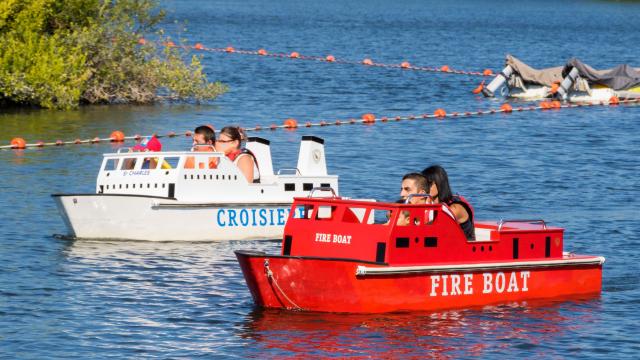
(61, 53)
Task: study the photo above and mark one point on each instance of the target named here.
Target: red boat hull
(333, 285)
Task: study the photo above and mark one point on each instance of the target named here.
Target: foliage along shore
(59, 54)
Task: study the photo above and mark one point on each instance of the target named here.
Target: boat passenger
(440, 192)
(203, 140)
(230, 143)
(413, 183)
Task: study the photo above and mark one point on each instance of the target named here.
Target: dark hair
(436, 174)
(421, 181)
(207, 131)
(234, 133)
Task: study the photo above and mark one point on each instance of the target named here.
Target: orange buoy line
(369, 118)
(405, 65)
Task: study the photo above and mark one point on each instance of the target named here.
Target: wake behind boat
(169, 196)
(336, 258)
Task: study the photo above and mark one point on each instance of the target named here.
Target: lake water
(575, 168)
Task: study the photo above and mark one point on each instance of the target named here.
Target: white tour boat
(154, 196)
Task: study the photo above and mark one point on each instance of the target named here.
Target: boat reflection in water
(522, 326)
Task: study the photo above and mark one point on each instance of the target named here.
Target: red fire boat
(339, 256)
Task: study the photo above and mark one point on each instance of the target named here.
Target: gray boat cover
(528, 74)
(621, 77)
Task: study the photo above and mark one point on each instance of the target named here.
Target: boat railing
(529, 221)
(324, 189)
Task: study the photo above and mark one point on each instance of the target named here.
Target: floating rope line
(368, 119)
(405, 65)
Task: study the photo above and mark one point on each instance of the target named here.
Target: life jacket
(467, 227)
(190, 162)
(235, 157)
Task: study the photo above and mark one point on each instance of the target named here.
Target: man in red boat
(230, 143)
(413, 183)
(440, 192)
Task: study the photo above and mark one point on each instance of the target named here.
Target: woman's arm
(245, 163)
(459, 212)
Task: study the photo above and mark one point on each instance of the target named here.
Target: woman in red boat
(440, 193)
(229, 142)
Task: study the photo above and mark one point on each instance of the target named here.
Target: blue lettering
(244, 217)
(253, 217)
(232, 218)
(263, 217)
(220, 222)
(301, 212)
(281, 217)
(271, 217)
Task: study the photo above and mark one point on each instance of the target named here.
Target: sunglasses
(224, 141)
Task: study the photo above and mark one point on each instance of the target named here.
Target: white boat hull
(133, 217)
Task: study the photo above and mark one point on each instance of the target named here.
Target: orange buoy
(330, 58)
(487, 72)
(18, 143)
(95, 140)
(291, 123)
(169, 44)
(198, 46)
(440, 113)
(294, 55)
(445, 68)
(338, 122)
(262, 52)
(117, 136)
(142, 41)
(614, 100)
(59, 142)
(229, 49)
(479, 88)
(384, 119)
(556, 104)
(545, 105)
(506, 108)
(171, 134)
(367, 62)
(368, 118)
(77, 141)
(405, 65)
(40, 143)
(258, 128)
(273, 126)
(308, 124)
(186, 133)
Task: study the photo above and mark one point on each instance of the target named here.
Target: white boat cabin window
(171, 161)
(111, 164)
(150, 163)
(129, 163)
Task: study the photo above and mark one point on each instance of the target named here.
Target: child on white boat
(203, 140)
(230, 143)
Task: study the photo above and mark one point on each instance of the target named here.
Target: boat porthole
(108, 174)
(490, 248)
(417, 240)
(474, 249)
(185, 176)
(166, 172)
(261, 191)
(482, 248)
(531, 246)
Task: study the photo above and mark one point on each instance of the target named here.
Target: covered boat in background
(337, 258)
(575, 82)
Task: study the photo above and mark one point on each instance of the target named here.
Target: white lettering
(468, 284)
(513, 283)
(500, 282)
(444, 285)
(488, 286)
(524, 275)
(455, 285)
(435, 283)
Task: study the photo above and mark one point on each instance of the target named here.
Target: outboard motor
(311, 160)
(499, 80)
(567, 83)
(262, 151)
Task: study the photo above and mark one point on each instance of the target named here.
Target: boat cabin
(406, 234)
(210, 176)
